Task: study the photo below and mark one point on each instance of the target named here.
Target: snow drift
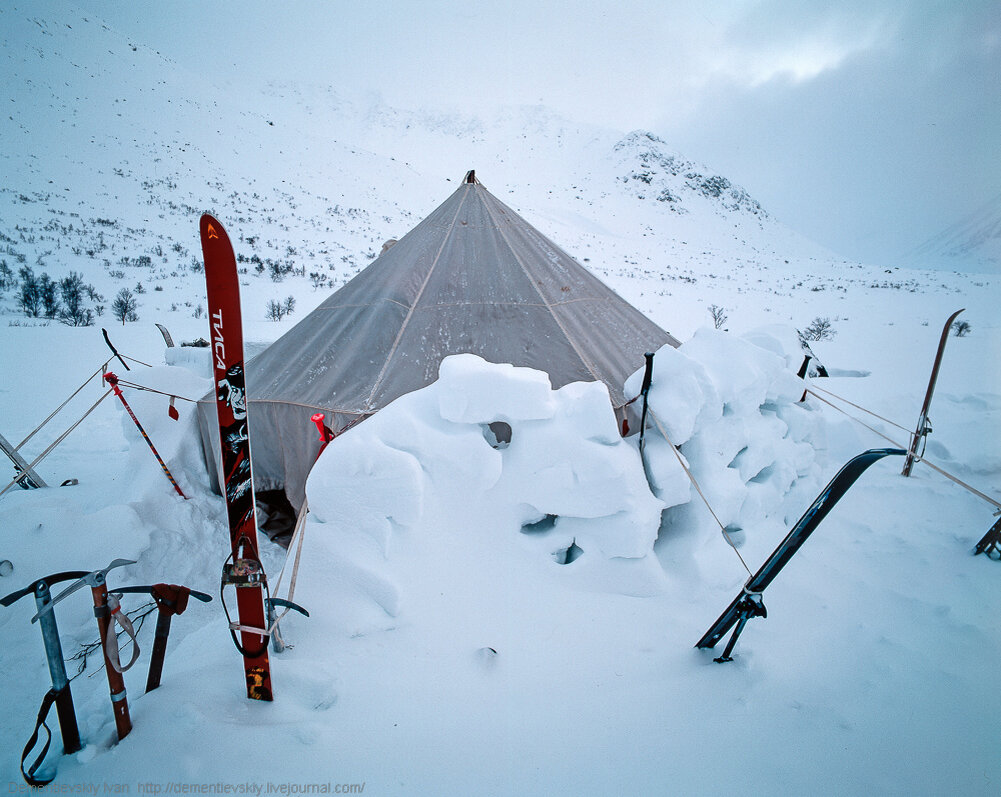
(490, 442)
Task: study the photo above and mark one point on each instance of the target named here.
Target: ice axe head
(170, 597)
(92, 579)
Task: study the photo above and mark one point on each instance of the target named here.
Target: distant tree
(7, 279)
(71, 291)
(274, 310)
(125, 306)
(961, 328)
(28, 296)
(718, 315)
(47, 289)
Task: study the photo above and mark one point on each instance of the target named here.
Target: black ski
(114, 350)
(990, 543)
(749, 602)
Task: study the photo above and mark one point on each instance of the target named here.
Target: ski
(924, 427)
(243, 569)
(749, 602)
(166, 336)
(26, 477)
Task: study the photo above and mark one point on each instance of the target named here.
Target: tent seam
(413, 306)
(549, 306)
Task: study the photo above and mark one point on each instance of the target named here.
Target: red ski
(243, 569)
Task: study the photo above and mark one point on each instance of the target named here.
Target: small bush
(276, 311)
(29, 298)
(718, 314)
(819, 329)
(961, 328)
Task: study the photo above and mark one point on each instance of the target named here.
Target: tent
(472, 277)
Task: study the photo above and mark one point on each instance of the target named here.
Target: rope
(296, 542)
(698, 489)
(56, 410)
(135, 386)
(917, 458)
(135, 361)
(863, 423)
(856, 406)
(58, 440)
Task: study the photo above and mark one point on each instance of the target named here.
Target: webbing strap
(111, 640)
(296, 544)
(43, 712)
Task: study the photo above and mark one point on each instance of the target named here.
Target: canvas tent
(472, 277)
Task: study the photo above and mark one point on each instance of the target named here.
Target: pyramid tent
(472, 277)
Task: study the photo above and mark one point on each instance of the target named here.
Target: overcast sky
(868, 126)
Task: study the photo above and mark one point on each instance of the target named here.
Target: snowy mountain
(971, 244)
(487, 619)
(112, 150)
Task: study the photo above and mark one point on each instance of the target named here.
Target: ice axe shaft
(96, 580)
(116, 683)
(63, 698)
(170, 599)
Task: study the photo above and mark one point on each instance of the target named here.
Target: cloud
(868, 128)
(859, 122)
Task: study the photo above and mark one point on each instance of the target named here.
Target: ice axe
(60, 692)
(170, 599)
(107, 612)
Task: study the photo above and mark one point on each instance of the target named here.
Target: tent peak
(471, 177)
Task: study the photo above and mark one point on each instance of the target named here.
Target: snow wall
(542, 480)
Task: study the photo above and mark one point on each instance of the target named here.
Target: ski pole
(112, 380)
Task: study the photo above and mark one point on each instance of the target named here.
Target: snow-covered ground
(449, 651)
(873, 673)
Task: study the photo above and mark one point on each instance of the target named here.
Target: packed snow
(453, 648)
(504, 593)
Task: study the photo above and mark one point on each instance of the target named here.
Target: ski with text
(243, 569)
